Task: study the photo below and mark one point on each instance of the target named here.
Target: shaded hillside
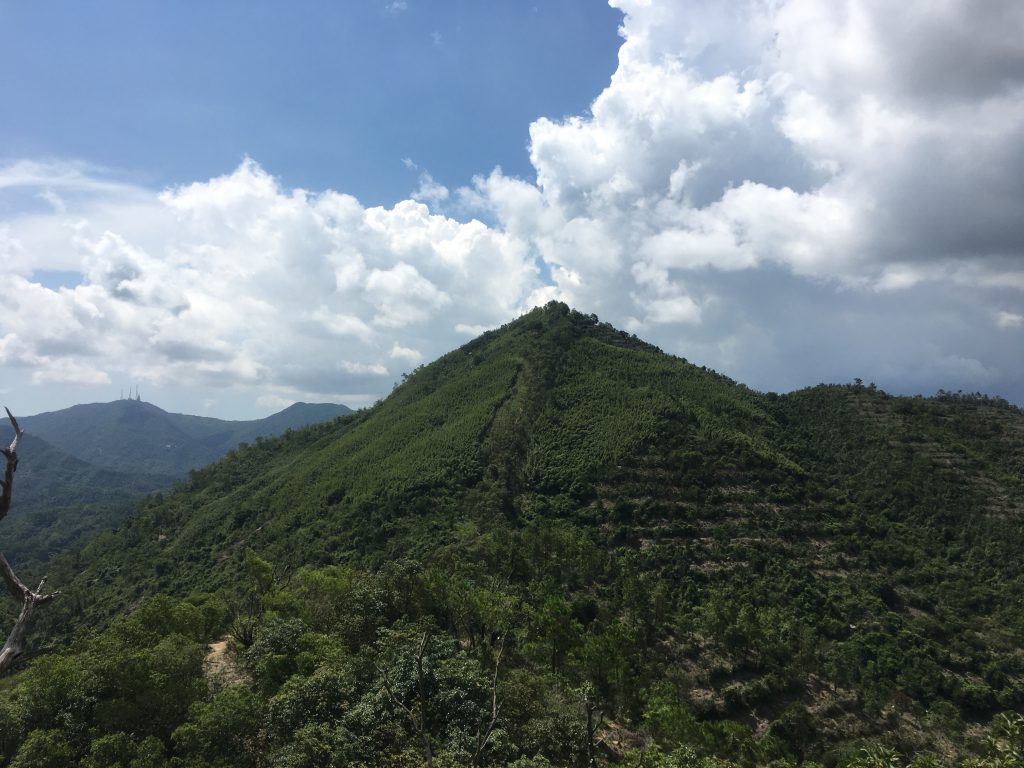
(755, 576)
(61, 500)
(133, 436)
(64, 495)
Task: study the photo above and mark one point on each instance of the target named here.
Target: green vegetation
(61, 501)
(131, 436)
(111, 456)
(640, 560)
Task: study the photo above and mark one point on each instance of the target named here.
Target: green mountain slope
(113, 455)
(61, 500)
(755, 576)
(528, 422)
(133, 436)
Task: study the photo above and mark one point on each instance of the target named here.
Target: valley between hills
(554, 546)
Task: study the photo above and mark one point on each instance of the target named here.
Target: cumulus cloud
(430, 191)
(408, 354)
(797, 133)
(237, 281)
(790, 190)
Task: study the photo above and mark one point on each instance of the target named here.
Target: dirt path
(220, 665)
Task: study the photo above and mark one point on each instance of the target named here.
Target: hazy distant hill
(132, 436)
(768, 578)
(84, 469)
(59, 500)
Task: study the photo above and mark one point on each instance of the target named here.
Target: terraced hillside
(629, 539)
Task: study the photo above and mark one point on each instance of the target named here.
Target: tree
(595, 719)
(484, 731)
(418, 719)
(28, 598)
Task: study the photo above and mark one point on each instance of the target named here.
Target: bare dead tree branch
(483, 736)
(11, 455)
(13, 648)
(418, 722)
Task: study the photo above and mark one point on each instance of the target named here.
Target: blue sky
(240, 205)
(327, 95)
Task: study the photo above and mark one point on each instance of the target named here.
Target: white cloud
(1009, 320)
(238, 282)
(398, 352)
(470, 330)
(341, 324)
(55, 200)
(402, 295)
(430, 192)
(375, 369)
(66, 371)
(787, 187)
(787, 138)
(71, 178)
(681, 309)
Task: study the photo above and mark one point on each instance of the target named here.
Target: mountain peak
(559, 325)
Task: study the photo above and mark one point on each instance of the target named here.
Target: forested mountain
(559, 546)
(110, 456)
(135, 436)
(61, 500)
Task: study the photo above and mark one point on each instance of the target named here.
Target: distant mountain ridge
(85, 468)
(135, 436)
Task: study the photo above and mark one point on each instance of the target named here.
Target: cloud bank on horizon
(789, 191)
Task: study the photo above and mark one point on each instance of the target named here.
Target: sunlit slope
(530, 419)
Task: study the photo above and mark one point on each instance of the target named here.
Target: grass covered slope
(755, 576)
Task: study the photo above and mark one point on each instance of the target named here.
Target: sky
(238, 205)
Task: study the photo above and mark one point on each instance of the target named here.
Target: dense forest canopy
(557, 546)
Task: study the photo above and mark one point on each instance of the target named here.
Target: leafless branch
(245, 617)
(390, 691)
(13, 648)
(11, 455)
